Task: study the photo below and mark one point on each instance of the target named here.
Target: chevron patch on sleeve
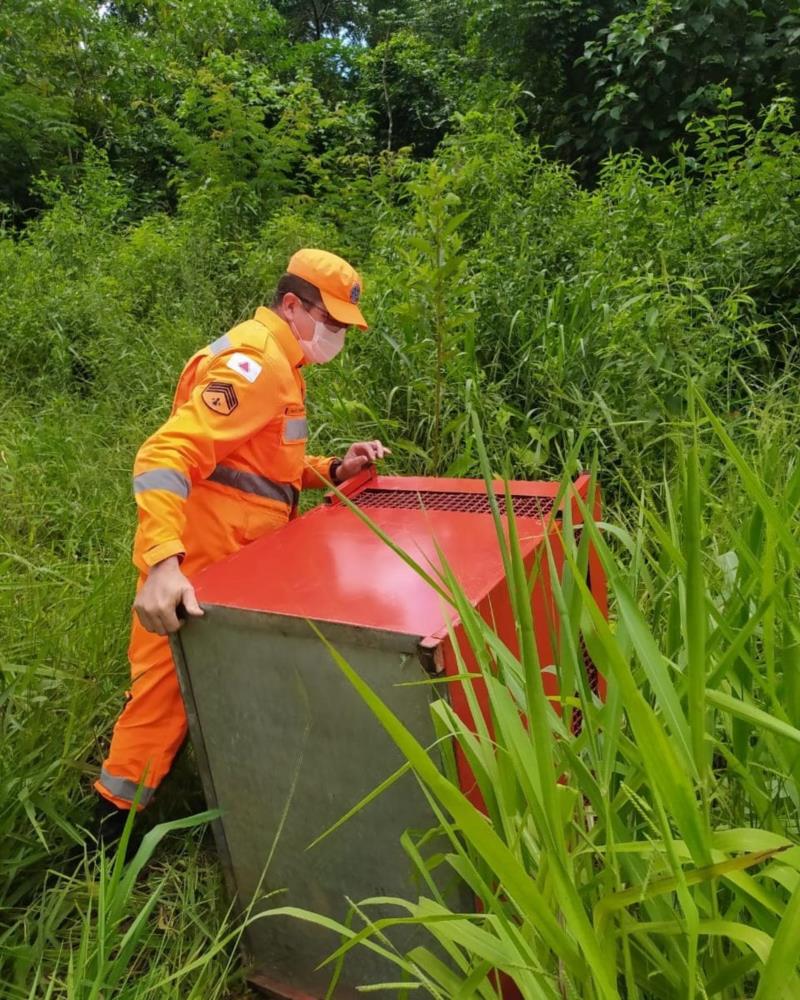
(220, 397)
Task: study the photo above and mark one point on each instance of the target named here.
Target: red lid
(329, 566)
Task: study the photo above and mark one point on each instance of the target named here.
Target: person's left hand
(358, 456)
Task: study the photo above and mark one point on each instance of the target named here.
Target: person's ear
(289, 304)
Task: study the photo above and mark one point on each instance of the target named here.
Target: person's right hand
(159, 596)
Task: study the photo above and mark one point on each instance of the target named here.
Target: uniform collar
(279, 328)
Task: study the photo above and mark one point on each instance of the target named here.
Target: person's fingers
(169, 620)
(153, 624)
(373, 450)
(360, 454)
(190, 603)
(144, 616)
(380, 449)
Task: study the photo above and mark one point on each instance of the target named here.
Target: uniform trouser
(152, 726)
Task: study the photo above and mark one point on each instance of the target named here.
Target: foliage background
(562, 212)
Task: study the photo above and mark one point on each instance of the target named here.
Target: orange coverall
(226, 468)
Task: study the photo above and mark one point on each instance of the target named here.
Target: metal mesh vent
(467, 503)
(594, 687)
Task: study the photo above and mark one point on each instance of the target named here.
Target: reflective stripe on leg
(124, 788)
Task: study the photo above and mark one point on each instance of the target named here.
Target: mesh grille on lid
(467, 503)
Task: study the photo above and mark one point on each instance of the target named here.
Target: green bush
(570, 318)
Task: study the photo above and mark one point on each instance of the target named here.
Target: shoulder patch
(242, 365)
(220, 397)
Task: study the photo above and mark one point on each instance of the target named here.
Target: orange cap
(339, 284)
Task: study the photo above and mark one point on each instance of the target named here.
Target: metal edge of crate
(201, 755)
(295, 626)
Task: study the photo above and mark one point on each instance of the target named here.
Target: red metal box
(285, 745)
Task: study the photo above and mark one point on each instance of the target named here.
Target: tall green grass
(663, 845)
(74, 924)
(572, 316)
(110, 929)
(657, 854)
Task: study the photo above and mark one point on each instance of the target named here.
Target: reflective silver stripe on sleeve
(249, 482)
(295, 429)
(124, 788)
(221, 344)
(163, 479)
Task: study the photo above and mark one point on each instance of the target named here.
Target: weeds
(656, 854)
(574, 320)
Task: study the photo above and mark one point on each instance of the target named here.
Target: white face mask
(324, 345)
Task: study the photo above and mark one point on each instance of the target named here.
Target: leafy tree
(246, 138)
(113, 76)
(212, 92)
(412, 87)
(38, 125)
(537, 43)
(314, 19)
(652, 68)
(194, 28)
(74, 76)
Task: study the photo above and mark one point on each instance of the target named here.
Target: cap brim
(343, 312)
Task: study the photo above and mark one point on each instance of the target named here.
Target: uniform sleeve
(317, 472)
(224, 409)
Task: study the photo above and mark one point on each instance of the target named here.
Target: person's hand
(159, 596)
(358, 456)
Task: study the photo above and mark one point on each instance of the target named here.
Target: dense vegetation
(579, 219)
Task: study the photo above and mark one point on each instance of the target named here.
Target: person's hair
(298, 286)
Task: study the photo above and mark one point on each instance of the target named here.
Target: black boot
(109, 824)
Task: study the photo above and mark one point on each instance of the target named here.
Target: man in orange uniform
(226, 467)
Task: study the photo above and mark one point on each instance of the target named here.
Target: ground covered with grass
(645, 327)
